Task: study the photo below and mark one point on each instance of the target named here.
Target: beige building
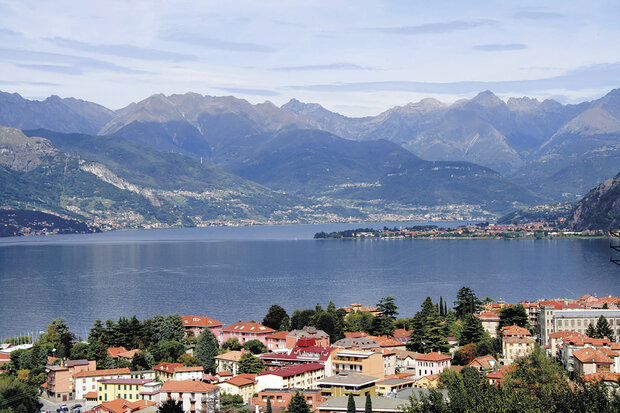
(364, 362)
(516, 342)
(590, 360)
(60, 384)
(86, 381)
(301, 376)
(490, 322)
(347, 383)
(229, 361)
(243, 385)
(551, 320)
(197, 396)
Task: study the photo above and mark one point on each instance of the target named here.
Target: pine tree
(472, 330)
(603, 329)
(250, 364)
(268, 408)
(441, 311)
(368, 408)
(206, 350)
(466, 302)
(351, 404)
(171, 406)
(591, 331)
(275, 316)
(298, 404)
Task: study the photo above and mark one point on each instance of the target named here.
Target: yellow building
(244, 385)
(358, 361)
(128, 389)
(347, 383)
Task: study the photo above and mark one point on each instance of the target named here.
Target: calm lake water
(236, 273)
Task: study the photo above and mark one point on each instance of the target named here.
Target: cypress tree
(298, 404)
(351, 404)
(206, 350)
(368, 408)
(268, 409)
(441, 313)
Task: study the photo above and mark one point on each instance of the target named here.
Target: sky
(357, 58)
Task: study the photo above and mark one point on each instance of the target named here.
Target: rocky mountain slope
(599, 209)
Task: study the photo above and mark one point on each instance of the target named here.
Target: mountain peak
(487, 99)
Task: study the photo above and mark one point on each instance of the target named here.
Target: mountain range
(303, 158)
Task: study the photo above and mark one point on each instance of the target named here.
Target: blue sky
(355, 57)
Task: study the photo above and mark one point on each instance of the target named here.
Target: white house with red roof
(490, 322)
(244, 331)
(195, 325)
(431, 363)
(302, 376)
(196, 396)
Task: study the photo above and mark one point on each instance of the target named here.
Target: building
(358, 361)
(244, 331)
(187, 373)
(406, 361)
(347, 383)
(402, 335)
(379, 404)
(86, 381)
(431, 363)
(122, 406)
(243, 385)
(197, 396)
(128, 389)
(302, 376)
(299, 355)
(229, 361)
(150, 391)
(484, 364)
(282, 397)
(490, 322)
(552, 319)
(357, 307)
(393, 385)
(165, 371)
(59, 379)
(195, 325)
(276, 341)
(590, 360)
(516, 342)
(567, 344)
(320, 337)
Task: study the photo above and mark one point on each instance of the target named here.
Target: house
(299, 355)
(357, 307)
(590, 360)
(165, 371)
(276, 341)
(282, 397)
(197, 396)
(516, 342)
(379, 404)
(427, 382)
(129, 354)
(497, 377)
(244, 331)
(431, 363)
(187, 373)
(406, 361)
(552, 319)
(320, 337)
(343, 384)
(364, 362)
(402, 335)
(393, 385)
(243, 385)
(86, 381)
(150, 391)
(567, 344)
(302, 376)
(490, 322)
(229, 361)
(122, 406)
(128, 389)
(195, 325)
(113, 352)
(59, 380)
(484, 363)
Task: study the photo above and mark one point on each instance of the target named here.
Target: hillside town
(261, 367)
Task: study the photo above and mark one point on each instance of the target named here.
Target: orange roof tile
(167, 367)
(401, 333)
(233, 355)
(186, 369)
(240, 381)
(116, 405)
(590, 355)
(515, 330)
(488, 316)
(104, 372)
(115, 351)
(604, 376)
(141, 404)
(182, 386)
(199, 321)
(91, 395)
(129, 354)
(433, 356)
(278, 335)
(246, 327)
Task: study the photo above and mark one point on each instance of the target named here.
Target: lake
(236, 273)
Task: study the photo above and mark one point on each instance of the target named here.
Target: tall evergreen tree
(171, 406)
(472, 330)
(275, 316)
(268, 408)
(298, 404)
(172, 328)
(466, 302)
(351, 404)
(206, 350)
(603, 329)
(441, 311)
(591, 331)
(368, 408)
(250, 364)
(513, 314)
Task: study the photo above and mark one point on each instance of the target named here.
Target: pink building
(195, 325)
(243, 332)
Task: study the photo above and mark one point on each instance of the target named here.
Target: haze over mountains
(482, 151)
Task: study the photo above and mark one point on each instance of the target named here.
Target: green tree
(513, 314)
(388, 308)
(464, 355)
(17, 397)
(466, 302)
(232, 344)
(59, 337)
(472, 330)
(302, 318)
(170, 351)
(255, 346)
(268, 408)
(359, 321)
(172, 328)
(275, 316)
(298, 404)
(206, 350)
(591, 331)
(428, 330)
(139, 362)
(368, 407)
(171, 406)
(603, 329)
(250, 364)
(79, 351)
(351, 404)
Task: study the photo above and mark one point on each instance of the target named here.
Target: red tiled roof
(167, 367)
(355, 334)
(105, 372)
(555, 304)
(129, 354)
(278, 335)
(115, 351)
(488, 316)
(141, 404)
(604, 376)
(199, 321)
(515, 330)
(246, 327)
(294, 370)
(433, 356)
(125, 381)
(590, 355)
(240, 381)
(186, 369)
(232, 355)
(223, 373)
(401, 333)
(91, 395)
(183, 386)
(487, 362)
(116, 405)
